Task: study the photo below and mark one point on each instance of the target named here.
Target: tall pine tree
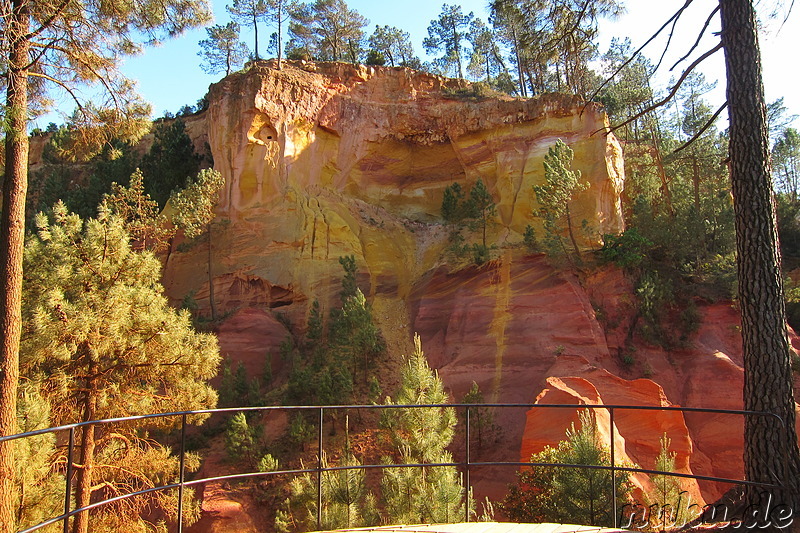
(101, 341)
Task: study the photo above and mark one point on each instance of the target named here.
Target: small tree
(453, 204)
(421, 435)
(482, 206)
(249, 13)
(241, 442)
(349, 287)
(445, 34)
(170, 163)
(667, 493)
(144, 221)
(222, 51)
(102, 342)
(563, 494)
(554, 196)
(480, 418)
(474, 211)
(194, 214)
(346, 502)
(300, 431)
(314, 329)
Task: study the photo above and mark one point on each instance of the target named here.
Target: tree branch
(669, 40)
(60, 84)
(669, 96)
(699, 36)
(638, 51)
(46, 24)
(702, 130)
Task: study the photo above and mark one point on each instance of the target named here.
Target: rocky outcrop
(326, 160)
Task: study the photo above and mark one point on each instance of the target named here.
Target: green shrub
(627, 250)
(568, 495)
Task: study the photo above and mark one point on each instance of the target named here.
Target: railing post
(613, 472)
(466, 469)
(181, 473)
(68, 488)
(319, 471)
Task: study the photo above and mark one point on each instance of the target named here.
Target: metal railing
(467, 464)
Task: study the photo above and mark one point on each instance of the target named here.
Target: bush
(529, 238)
(628, 250)
(568, 495)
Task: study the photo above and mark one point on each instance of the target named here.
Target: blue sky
(169, 76)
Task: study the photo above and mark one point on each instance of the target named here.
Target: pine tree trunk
(662, 174)
(12, 236)
(696, 183)
(83, 488)
(572, 234)
(520, 71)
(457, 48)
(255, 31)
(280, 21)
(770, 452)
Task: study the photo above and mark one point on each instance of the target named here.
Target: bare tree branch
(669, 96)
(638, 51)
(699, 37)
(702, 130)
(669, 38)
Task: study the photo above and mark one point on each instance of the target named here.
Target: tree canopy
(222, 51)
(446, 34)
(326, 30)
(101, 341)
(50, 47)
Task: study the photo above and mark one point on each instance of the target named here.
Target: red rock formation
(328, 160)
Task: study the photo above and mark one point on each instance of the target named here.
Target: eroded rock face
(392, 138)
(519, 327)
(327, 160)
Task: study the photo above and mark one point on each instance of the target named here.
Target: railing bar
(68, 480)
(408, 406)
(181, 473)
(229, 477)
(627, 469)
(466, 468)
(319, 471)
(613, 470)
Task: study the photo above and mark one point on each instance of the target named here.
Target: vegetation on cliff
(678, 247)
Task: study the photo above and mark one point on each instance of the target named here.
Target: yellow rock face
(337, 159)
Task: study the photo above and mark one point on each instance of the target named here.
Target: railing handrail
(105, 421)
(319, 469)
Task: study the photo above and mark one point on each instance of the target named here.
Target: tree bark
(770, 453)
(255, 31)
(83, 488)
(572, 234)
(520, 71)
(12, 235)
(280, 23)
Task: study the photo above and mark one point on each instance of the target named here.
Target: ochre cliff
(335, 159)
(327, 160)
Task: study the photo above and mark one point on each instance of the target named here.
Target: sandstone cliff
(327, 160)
